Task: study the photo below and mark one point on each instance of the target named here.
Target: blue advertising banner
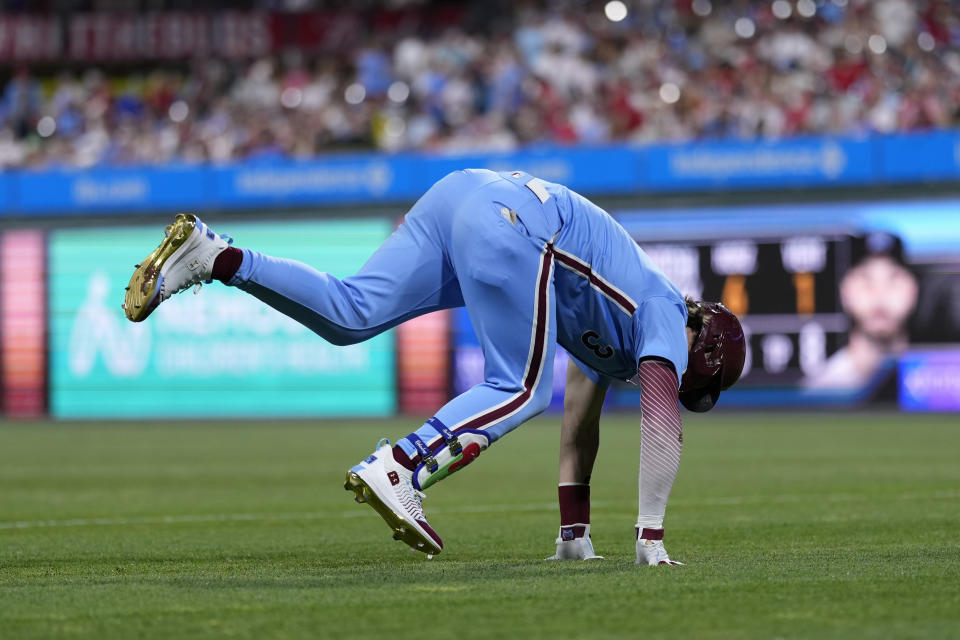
(334, 180)
(920, 156)
(798, 162)
(7, 200)
(74, 191)
(219, 353)
(377, 177)
(614, 169)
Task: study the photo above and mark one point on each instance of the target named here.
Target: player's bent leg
(516, 327)
(393, 483)
(511, 304)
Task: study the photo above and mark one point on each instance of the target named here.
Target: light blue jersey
(534, 263)
(614, 306)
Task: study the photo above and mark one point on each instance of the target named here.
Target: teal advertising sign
(219, 353)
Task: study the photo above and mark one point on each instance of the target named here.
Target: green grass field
(810, 526)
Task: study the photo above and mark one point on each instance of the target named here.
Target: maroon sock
(574, 509)
(403, 459)
(649, 534)
(226, 264)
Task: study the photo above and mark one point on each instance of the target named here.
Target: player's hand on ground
(574, 548)
(653, 553)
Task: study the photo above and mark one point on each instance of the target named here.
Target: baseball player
(535, 264)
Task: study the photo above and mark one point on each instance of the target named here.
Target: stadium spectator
(532, 73)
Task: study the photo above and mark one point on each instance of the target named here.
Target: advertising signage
(219, 353)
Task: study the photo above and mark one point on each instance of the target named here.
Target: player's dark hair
(694, 315)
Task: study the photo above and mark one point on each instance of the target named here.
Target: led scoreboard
(783, 289)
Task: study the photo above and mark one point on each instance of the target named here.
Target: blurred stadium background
(752, 147)
(763, 152)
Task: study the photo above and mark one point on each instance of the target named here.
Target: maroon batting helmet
(716, 357)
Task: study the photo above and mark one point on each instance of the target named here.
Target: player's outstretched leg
(407, 276)
(183, 259)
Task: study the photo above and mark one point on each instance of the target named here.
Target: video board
(839, 301)
(784, 290)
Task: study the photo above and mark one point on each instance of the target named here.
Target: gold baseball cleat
(184, 258)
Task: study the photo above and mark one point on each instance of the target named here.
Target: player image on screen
(536, 265)
(879, 294)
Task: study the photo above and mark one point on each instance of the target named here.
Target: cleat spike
(126, 288)
(136, 266)
(429, 556)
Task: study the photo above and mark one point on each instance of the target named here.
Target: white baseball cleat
(652, 552)
(570, 548)
(184, 259)
(388, 488)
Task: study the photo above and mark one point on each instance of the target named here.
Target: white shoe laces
(411, 499)
(196, 282)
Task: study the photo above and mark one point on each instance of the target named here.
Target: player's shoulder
(666, 300)
(655, 293)
(664, 312)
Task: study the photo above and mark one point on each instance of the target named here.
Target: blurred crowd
(515, 74)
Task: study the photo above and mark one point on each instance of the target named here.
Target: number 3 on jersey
(591, 340)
